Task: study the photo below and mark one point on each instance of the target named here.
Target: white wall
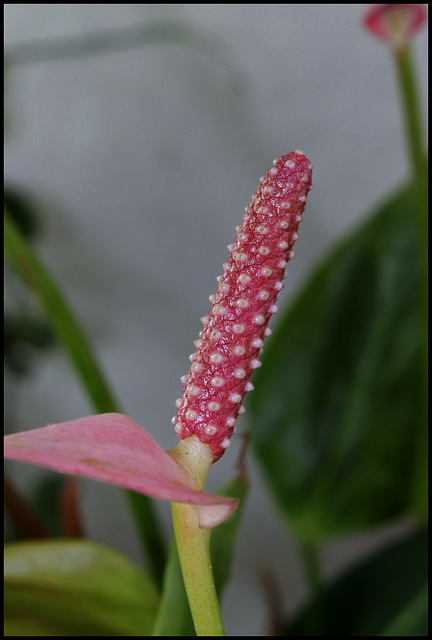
(142, 162)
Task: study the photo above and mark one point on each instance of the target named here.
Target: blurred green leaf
(373, 597)
(174, 618)
(412, 620)
(336, 416)
(75, 588)
(69, 333)
(76, 346)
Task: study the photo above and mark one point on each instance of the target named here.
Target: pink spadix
(237, 323)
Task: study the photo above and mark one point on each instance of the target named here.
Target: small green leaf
(384, 593)
(336, 414)
(75, 588)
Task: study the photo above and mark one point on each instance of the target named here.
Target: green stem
(411, 109)
(69, 333)
(193, 543)
(414, 135)
(417, 157)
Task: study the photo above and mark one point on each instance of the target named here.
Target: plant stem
(69, 333)
(411, 109)
(417, 157)
(193, 543)
(414, 136)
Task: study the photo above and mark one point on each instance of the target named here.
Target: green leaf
(336, 415)
(384, 593)
(412, 619)
(75, 588)
(174, 618)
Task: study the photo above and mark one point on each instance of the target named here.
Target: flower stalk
(408, 90)
(193, 542)
(396, 24)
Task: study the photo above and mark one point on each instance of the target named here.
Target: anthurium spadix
(113, 448)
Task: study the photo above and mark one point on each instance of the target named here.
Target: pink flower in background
(113, 448)
(395, 23)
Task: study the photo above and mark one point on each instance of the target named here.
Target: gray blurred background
(141, 162)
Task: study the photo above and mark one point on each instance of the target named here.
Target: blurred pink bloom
(395, 23)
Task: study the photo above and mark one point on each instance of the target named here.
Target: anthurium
(113, 448)
(395, 23)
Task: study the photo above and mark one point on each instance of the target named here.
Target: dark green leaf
(386, 592)
(75, 588)
(335, 417)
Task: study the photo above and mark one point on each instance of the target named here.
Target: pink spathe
(113, 448)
